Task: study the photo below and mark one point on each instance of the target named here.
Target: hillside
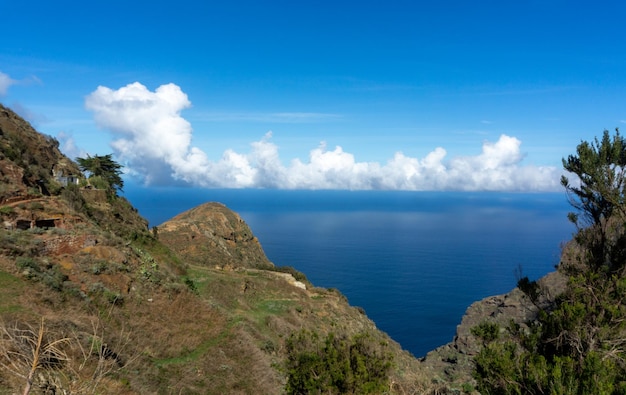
(212, 235)
(192, 306)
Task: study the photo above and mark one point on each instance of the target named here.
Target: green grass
(201, 276)
(274, 306)
(270, 307)
(200, 350)
(10, 289)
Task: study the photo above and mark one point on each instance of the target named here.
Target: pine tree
(105, 167)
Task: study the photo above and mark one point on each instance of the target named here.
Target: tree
(576, 344)
(105, 167)
(600, 167)
(601, 170)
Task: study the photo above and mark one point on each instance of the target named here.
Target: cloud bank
(154, 142)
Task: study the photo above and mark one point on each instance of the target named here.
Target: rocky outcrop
(27, 158)
(213, 235)
(453, 361)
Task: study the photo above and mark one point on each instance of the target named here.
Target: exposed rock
(27, 158)
(454, 361)
(66, 244)
(213, 235)
(287, 277)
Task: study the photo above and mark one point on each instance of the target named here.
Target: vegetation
(336, 365)
(577, 343)
(103, 171)
(43, 359)
(91, 301)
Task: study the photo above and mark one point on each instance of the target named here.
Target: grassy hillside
(194, 306)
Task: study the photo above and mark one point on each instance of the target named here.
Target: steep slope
(453, 362)
(268, 303)
(194, 307)
(28, 159)
(212, 235)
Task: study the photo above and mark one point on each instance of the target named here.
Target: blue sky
(484, 95)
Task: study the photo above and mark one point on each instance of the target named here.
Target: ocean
(414, 261)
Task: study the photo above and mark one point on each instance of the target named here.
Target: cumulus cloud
(155, 142)
(5, 83)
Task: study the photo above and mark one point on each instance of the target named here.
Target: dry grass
(61, 357)
(227, 338)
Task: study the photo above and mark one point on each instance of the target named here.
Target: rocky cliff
(452, 362)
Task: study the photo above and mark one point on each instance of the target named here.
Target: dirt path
(18, 202)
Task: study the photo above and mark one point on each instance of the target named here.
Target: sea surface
(413, 260)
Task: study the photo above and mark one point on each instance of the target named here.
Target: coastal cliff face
(453, 362)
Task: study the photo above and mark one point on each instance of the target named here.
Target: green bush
(27, 263)
(487, 331)
(98, 182)
(191, 285)
(7, 210)
(337, 364)
(298, 275)
(42, 271)
(577, 343)
(71, 194)
(36, 206)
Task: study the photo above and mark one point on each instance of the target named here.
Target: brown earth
(214, 236)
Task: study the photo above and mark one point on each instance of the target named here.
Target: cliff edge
(453, 362)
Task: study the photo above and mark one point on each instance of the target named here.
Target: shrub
(7, 210)
(27, 263)
(191, 285)
(98, 182)
(36, 206)
(46, 273)
(71, 194)
(336, 365)
(487, 331)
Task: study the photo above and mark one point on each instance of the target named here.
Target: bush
(487, 331)
(46, 273)
(191, 285)
(336, 365)
(7, 210)
(71, 194)
(98, 182)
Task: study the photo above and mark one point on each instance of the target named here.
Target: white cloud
(155, 142)
(67, 145)
(5, 83)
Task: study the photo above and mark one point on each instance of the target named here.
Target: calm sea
(413, 260)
